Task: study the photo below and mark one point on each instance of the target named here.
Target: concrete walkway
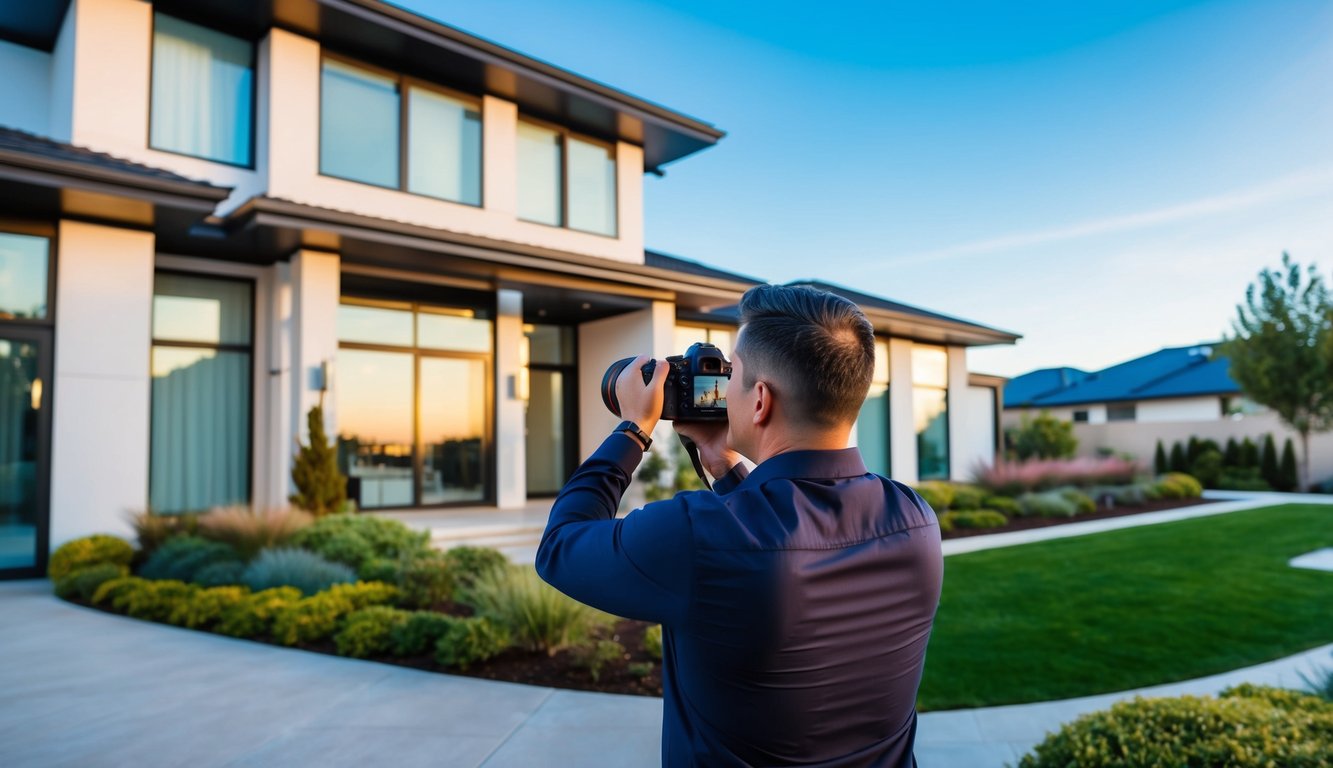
(84, 688)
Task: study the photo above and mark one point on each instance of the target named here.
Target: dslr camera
(696, 384)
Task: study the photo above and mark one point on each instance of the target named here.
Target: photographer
(797, 599)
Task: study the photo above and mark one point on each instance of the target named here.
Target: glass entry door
(25, 429)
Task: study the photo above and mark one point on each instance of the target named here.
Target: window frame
(252, 164)
(404, 83)
(490, 458)
(569, 408)
(251, 475)
(1132, 409)
(48, 233)
(565, 135)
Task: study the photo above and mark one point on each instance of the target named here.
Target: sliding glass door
(25, 429)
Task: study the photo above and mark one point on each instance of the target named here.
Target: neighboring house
(215, 215)
(1169, 395)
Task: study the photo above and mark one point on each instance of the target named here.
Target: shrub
(1044, 437)
(536, 614)
(380, 569)
(369, 631)
(595, 656)
(1120, 495)
(1288, 480)
(1083, 503)
(1159, 460)
(220, 574)
(82, 583)
(1013, 478)
(640, 668)
(356, 540)
(1230, 455)
(1002, 504)
(1246, 726)
(1046, 504)
(182, 557)
(1320, 683)
(1178, 485)
(203, 607)
(1178, 462)
(152, 600)
(967, 498)
(89, 550)
(467, 564)
(253, 615)
(306, 571)
(1249, 453)
(113, 589)
(248, 531)
(1268, 469)
(979, 518)
(419, 633)
(425, 581)
(315, 618)
(470, 641)
(945, 521)
(938, 494)
(1242, 479)
(652, 641)
(1207, 467)
(320, 487)
(152, 530)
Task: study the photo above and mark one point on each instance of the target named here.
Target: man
(796, 600)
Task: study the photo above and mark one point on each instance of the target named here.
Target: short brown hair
(816, 348)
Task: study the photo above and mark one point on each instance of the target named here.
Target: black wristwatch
(633, 429)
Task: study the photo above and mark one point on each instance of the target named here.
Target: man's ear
(763, 404)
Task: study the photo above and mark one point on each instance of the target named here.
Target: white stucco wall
(1180, 409)
(902, 437)
(510, 414)
(315, 285)
(99, 457)
(964, 423)
(972, 429)
(294, 170)
(61, 100)
(25, 89)
(648, 331)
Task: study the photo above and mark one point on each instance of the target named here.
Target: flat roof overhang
(388, 36)
(904, 325)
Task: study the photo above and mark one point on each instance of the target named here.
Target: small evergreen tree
(1045, 437)
(1193, 450)
(1178, 463)
(1231, 456)
(1287, 478)
(1268, 461)
(1159, 464)
(1249, 453)
(320, 488)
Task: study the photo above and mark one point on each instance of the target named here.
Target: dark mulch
(1102, 513)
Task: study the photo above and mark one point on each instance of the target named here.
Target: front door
(25, 449)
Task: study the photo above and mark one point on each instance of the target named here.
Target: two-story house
(215, 214)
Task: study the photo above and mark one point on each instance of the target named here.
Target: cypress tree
(1178, 463)
(320, 487)
(1159, 460)
(1249, 453)
(1193, 450)
(1268, 461)
(1231, 456)
(1288, 480)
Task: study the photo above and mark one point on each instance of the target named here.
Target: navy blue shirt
(796, 602)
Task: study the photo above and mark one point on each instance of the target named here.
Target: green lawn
(1129, 608)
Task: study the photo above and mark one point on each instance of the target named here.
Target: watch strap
(634, 430)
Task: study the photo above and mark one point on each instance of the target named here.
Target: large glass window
(362, 116)
(691, 334)
(413, 403)
(201, 368)
(24, 264)
(930, 411)
(203, 92)
(872, 426)
(548, 354)
(566, 181)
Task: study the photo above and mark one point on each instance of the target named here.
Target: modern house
(216, 214)
(1169, 395)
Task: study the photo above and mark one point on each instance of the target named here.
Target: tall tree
(320, 488)
(1287, 469)
(1281, 352)
(1159, 460)
(1268, 461)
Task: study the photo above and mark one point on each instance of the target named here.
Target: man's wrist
(636, 432)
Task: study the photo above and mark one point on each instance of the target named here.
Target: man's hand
(640, 403)
(711, 438)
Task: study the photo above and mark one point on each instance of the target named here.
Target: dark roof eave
(50, 172)
(965, 334)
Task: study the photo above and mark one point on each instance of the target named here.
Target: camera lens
(609, 398)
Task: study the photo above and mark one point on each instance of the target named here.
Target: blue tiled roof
(1173, 372)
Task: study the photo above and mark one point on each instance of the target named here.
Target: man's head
(810, 353)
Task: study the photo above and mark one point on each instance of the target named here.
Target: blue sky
(1104, 178)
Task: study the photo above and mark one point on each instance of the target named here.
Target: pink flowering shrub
(1011, 478)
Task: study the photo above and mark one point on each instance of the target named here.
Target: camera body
(696, 384)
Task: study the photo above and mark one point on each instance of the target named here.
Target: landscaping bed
(1102, 513)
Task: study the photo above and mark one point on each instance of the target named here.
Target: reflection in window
(592, 187)
(201, 362)
(872, 425)
(358, 125)
(370, 324)
(20, 390)
(24, 263)
(453, 427)
(443, 147)
(375, 426)
(930, 411)
(691, 334)
(203, 85)
(540, 193)
(566, 181)
(457, 330)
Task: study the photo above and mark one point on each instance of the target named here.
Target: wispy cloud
(1298, 185)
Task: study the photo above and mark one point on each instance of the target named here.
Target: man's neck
(771, 445)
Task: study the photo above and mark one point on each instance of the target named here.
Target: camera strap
(693, 451)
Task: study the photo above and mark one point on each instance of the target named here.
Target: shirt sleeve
(728, 482)
(638, 567)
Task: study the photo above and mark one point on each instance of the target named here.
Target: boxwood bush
(89, 550)
(1178, 485)
(467, 564)
(468, 641)
(981, 518)
(938, 494)
(316, 618)
(204, 606)
(967, 498)
(369, 631)
(420, 633)
(82, 583)
(252, 615)
(1002, 504)
(359, 541)
(1244, 726)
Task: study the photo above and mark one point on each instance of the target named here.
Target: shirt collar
(812, 465)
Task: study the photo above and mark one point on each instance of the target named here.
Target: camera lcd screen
(710, 391)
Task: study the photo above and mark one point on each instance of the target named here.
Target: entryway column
(902, 417)
(510, 385)
(649, 331)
